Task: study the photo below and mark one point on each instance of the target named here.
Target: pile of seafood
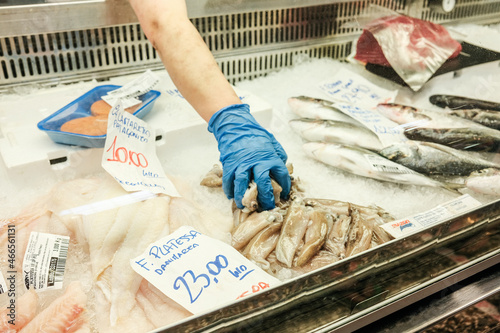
(102, 293)
(455, 148)
(301, 234)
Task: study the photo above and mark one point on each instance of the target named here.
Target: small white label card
(130, 154)
(198, 272)
(131, 90)
(349, 87)
(388, 131)
(45, 260)
(403, 227)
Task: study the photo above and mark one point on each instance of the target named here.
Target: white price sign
(352, 88)
(131, 90)
(198, 272)
(130, 154)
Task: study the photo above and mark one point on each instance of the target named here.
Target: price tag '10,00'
(130, 154)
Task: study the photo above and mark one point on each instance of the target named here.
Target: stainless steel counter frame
(70, 41)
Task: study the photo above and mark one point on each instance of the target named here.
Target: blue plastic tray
(80, 107)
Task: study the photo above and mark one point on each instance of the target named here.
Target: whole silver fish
(336, 132)
(363, 162)
(411, 117)
(485, 181)
(448, 130)
(315, 108)
(434, 159)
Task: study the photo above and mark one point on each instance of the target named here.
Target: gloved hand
(248, 151)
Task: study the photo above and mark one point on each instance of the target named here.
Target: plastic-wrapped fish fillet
(101, 246)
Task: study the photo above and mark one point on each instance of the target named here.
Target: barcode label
(137, 87)
(61, 263)
(45, 261)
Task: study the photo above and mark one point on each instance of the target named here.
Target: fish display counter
(395, 195)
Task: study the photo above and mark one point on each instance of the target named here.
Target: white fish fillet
(156, 305)
(107, 240)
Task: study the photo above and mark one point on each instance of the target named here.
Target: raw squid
(263, 244)
(293, 230)
(315, 235)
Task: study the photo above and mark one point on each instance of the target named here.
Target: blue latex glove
(248, 151)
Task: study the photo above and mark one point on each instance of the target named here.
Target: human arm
(247, 150)
(185, 55)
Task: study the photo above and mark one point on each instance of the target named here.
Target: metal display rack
(65, 42)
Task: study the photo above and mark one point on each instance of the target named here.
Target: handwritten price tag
(198, 272)
(130, 155)
(350, 87)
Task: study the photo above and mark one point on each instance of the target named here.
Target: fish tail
(453, 187)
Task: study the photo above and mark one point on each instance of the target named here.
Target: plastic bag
(414, 48)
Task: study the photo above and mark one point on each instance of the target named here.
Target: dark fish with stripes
(462, 103)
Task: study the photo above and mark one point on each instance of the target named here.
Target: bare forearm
(185, 55)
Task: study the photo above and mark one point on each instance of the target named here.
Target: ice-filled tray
(79, 108)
